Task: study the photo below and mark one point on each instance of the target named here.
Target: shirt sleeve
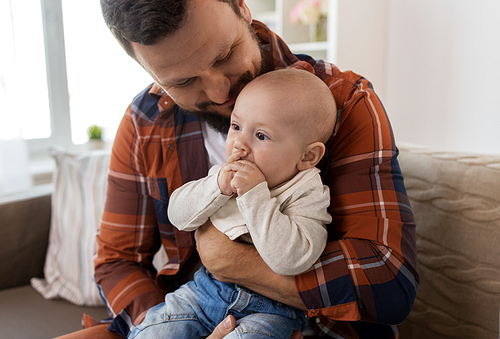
(192, 204)
(302, 219)
(128, 236)
(368, 268)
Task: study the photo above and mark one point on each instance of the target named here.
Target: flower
(309, 12)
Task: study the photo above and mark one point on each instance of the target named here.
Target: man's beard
(216, 120)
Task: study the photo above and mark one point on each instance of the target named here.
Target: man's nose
(216, 86)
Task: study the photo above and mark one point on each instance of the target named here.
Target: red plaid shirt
(368, 269)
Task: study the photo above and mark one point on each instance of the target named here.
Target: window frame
(57, 81)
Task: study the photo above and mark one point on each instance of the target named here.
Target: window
(102, 78)
(23, 92)
(62, 73)
(59, 74)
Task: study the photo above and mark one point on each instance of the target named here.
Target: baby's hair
(311, 99)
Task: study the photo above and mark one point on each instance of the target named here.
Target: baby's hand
(246, 176)
(226, 174)
(224, 180)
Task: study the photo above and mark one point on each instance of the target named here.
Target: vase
(96, 144)
(317, 31)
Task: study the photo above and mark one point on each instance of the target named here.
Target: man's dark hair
(147, 21)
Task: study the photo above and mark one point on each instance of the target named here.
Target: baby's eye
(235, 126)
(261, 136)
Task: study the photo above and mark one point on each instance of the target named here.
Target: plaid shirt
(368, 269)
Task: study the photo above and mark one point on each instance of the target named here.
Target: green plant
(94, 132)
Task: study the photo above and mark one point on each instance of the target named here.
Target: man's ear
(313, 154)
(245, 10)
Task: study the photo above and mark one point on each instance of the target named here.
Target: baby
(269, 187)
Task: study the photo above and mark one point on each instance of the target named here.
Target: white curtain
(14, 171)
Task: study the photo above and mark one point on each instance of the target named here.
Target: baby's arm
(193, 203)
(292, 239)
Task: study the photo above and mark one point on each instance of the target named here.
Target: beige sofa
(456, 202)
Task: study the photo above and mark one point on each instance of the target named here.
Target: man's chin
(218, 121)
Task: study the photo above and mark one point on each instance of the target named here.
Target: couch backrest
(456, 202)
(24, 235)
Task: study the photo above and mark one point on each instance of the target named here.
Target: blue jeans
(195, 309)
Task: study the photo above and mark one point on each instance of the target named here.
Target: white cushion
(77, 205)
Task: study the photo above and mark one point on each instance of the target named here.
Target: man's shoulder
(341, 83)
(145, 105)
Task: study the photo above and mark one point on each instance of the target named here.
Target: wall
(362, 41)
(434, 64)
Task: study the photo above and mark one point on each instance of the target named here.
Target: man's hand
(223, 329)
(228, 325)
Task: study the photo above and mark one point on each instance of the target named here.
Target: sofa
(47, 245)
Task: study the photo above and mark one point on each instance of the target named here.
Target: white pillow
(77, 205)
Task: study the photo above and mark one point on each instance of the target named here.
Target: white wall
(362, 40)
(435, 64)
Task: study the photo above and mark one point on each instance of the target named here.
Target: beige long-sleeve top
(287, 224)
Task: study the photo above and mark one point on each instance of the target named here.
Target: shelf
(309, 46)
(276, 13)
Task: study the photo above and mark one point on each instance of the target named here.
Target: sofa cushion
(456, 202)
(24, 235)
(77, 204)
(26, 314)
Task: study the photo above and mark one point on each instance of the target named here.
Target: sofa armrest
(24, 236)
(455, 199)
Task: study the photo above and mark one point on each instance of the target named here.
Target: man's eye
(261, 136)
(223, 60)
(185, 83)
(227, 56)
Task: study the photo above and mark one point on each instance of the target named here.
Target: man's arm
(245, 266)
(127, 238)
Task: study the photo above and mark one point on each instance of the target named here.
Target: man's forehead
(194, 47)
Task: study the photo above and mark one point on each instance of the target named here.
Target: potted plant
(95, 137)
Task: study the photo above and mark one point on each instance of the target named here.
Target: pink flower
(295, 14)
(308, 12)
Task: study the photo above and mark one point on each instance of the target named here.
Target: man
(201, 53)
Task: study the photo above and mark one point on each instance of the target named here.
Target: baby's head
(281, 121)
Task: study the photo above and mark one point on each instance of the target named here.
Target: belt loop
(242, 300)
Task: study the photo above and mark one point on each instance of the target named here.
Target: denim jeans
(195, 309)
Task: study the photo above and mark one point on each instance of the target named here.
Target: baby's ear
(313, 154)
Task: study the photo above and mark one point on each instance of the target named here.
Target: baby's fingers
(224, 181)
(232, 166)
(248, 165)
(236, 155)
